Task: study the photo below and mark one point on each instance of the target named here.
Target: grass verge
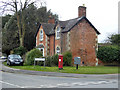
(81, 69)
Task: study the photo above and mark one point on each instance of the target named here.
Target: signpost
(39, 59)
(77, 61)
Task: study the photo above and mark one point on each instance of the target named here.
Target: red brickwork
(51, 50)
(83, 41)
(43, 42)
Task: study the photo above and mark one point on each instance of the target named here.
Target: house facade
(77, 35)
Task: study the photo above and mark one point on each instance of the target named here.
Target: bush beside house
(67, 58)
(52, 60)
(34, 53)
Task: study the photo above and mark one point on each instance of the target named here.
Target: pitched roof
(65, 25)
(69, 24)
(48, 28)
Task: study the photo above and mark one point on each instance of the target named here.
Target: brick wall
(51, 45)
(43, 42)
(83, 43)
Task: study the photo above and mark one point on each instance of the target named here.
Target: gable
(72, 23)
(47, 28)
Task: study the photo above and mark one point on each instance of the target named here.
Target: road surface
(12, 80)
(19, 80)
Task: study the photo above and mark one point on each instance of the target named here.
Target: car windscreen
(14, 56)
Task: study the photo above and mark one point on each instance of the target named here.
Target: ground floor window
(58, 50)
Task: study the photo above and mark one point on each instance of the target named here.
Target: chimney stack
(51, 20)
(82, 11)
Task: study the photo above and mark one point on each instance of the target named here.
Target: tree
(10, 36)
(114, 39)
(14, 6)
(32, 19)
(5, 19)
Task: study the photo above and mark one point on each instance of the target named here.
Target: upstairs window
(58, 33)
(58, 50)
(41, 35)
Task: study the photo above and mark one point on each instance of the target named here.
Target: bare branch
(8, 4)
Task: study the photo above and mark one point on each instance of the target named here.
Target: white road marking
(64, 84)
(10, 84)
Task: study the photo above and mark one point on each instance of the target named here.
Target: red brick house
(76, 35)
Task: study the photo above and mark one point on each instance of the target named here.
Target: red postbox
(60, 62)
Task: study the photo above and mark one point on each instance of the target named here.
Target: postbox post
(60, 62)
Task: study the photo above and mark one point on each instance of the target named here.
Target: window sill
(41, 40)
(57, 37)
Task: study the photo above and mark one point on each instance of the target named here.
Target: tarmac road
(56, 80)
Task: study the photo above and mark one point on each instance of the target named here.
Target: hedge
(109, 54)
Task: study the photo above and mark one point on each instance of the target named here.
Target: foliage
(67, 58)
(48, 61)
(31, 55)
(55, 60)
(109, 54)
(20, 50)
(115, 39)
(5, 19)
(10, 37)
(33, 16)
(52, 60)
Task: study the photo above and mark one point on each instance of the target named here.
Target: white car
(3, 57)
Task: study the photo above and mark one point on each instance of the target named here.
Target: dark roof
(48, 28)
(69, 24)
(65, 25)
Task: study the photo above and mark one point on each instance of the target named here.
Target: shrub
(52, 60)
(48, 61)
(20, 51)
(55, 60)
(108, 54)
(67, 58)
(31, 55)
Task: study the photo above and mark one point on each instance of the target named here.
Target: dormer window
(58, 33)
(41, 35)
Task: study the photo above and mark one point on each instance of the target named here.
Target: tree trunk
(21, 41)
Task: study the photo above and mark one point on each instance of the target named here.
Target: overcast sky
(103, 14)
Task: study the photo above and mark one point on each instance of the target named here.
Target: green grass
(81, 69)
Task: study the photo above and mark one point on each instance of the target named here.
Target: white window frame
(41, 35)
(57, 51)
(36, 40)
(57, 31)
(43, 50)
